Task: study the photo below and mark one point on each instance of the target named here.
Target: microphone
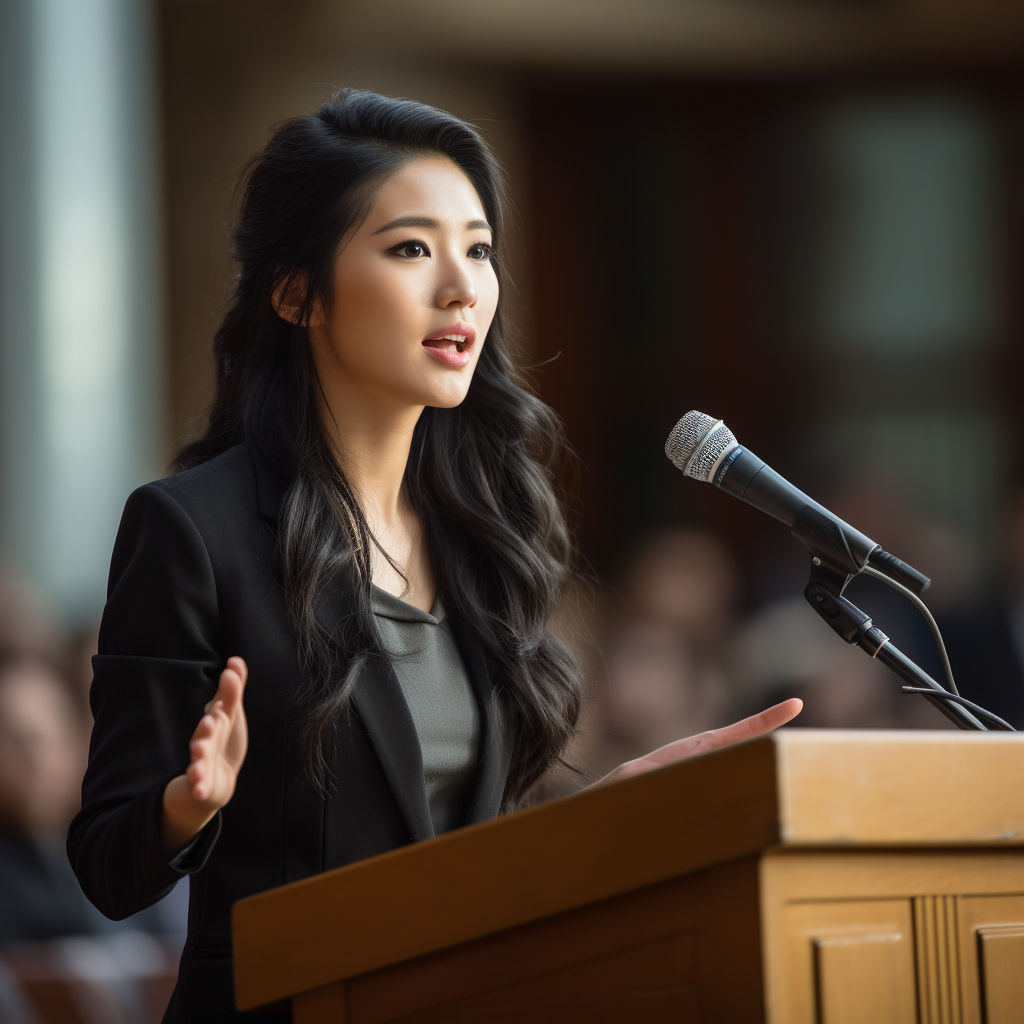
(706, 449)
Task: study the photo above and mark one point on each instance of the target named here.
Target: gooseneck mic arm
(846, 619)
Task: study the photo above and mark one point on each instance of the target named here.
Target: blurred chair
(124, 978)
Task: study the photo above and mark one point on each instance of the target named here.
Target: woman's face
(414, 292)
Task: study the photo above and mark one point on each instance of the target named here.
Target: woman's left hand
(713, 739)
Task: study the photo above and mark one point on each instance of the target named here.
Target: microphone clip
(824, 593)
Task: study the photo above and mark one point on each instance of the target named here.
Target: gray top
(441, 702)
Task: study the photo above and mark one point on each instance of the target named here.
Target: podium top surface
(794, 788)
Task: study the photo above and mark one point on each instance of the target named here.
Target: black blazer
(194, 580)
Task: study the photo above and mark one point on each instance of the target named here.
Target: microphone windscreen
(698, 443)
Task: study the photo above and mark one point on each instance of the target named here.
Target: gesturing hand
(217, 751)
(713, 739)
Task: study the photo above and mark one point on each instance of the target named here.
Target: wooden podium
(808, 876)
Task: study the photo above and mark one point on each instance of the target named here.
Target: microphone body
(748, 478)
(705, 449)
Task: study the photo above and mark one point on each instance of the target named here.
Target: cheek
(487, 295)
(375, 314)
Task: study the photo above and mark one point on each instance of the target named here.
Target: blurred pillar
(80, 315)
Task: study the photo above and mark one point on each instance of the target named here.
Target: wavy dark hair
(480, 475)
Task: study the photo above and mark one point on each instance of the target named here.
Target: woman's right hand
(217, 751)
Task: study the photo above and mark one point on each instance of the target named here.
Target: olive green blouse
(440, 698)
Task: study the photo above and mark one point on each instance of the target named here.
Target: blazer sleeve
(157, 666)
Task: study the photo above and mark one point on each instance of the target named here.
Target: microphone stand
(824, 593)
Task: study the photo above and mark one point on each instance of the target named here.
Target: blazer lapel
(377, 697)
(485, 798)
(380, 703)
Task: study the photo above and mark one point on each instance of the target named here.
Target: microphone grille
(698, 443)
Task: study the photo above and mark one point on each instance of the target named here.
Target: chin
(448, 401)
(447, 394)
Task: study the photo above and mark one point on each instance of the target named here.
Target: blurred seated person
(883, 509)
(666, 627)
(41, 766)
(985, 642)
(42, 760)
(28, 627)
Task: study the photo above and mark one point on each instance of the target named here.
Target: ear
(288, 298)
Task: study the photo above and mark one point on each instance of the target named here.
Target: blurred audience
(785, 650)
(665, 628)
(666, 652)
(27, 625)
(985, 640)
(60, 959)
(41, 765)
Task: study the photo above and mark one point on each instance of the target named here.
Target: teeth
(456, 342)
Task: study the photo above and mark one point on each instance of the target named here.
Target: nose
(456, 286)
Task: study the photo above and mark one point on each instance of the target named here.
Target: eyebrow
(428, 222)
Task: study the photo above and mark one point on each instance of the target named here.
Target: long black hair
(479, 475)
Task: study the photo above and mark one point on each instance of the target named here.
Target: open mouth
(451, 345)
(449, 342)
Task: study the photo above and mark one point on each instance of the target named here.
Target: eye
(481, 251)
(411, 250)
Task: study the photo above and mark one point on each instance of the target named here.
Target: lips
(451, 345)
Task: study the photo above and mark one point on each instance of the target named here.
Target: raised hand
(713, 739)
(217, 751)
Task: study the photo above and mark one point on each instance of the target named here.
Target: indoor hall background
(831, 264)
(803, 216)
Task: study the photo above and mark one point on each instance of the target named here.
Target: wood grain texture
(977, 917)
(794, 789)
(520, 868)
(865, 978)
(938, 898)
(938, 960)
(1001, 956)
(826, 944)
(920, 787)
(326, 1005)
(692, 943)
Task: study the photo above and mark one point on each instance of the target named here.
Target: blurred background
(803, 216)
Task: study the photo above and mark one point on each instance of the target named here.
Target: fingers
(230, 686)
(205, 747)
(213, 732)
(713, 739)
(779, 714)
(755, 725)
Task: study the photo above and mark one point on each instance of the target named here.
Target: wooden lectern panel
(1001, 963)
(930, 905)
(991, 953)
(685, 950)
(833, 945)
(809, 877)
(842, 964)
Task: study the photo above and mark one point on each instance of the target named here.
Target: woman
(365, 545)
